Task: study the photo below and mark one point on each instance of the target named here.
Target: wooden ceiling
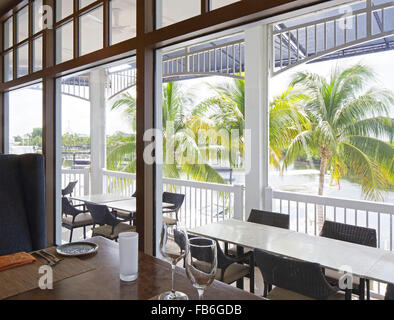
(6, 5)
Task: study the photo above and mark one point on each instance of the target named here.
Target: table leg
(240, 282)
(362, 289)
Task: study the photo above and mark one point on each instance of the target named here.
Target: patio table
(100, 198)
(129, 205)
(365, 262)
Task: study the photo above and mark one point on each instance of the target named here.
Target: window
(123, 20)
(221, 3)
(37, 16)
(85, 3)
(8, 33)
(64, 43)
(22, 20)
(91, 31)
(37, 54)
(171, 11)
(8, 66)
(64, 8)
(23, 60)
(25, 132)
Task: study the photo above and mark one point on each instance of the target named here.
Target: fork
(54, 258)
(50, 262)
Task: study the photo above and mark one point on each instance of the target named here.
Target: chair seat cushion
(124, 214)
(106, 230)
(233, 272)
(283, 294)
(169, 221)
(334, 276)
(81, 220)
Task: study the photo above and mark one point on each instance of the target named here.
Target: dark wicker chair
(354, 234)
(272, 219)
(67, 191)
(230, 269)
(294, 279)
(177, 200)
(73, 218)
(389, 292)
(108, 225)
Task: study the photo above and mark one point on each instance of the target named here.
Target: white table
(100, 198)
(129, 205)
(365, 262)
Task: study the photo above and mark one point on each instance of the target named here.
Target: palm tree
(227, 110)
(351, 130)
(179, 137)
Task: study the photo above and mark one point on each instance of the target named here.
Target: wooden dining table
(103, 283)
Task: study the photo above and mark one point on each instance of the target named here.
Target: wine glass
(201, 263)
(173, 252)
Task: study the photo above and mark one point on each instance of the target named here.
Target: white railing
(204, 202)
(307, 213)
(119, 182)
(80, 175)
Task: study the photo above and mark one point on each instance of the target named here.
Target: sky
(26, 114)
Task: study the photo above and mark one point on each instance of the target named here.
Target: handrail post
(86, 182)
(268, 197)
(239, 202)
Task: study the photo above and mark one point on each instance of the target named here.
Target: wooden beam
(49, 132)
(145, 120)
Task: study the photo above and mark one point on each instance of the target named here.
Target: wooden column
(49, 133)
(146, 188)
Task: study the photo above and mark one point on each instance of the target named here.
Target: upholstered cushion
(106, 230)
(169, 221)
(283, 294)
(22, 203)
(233, 272)
(124, 214)
(83, 219)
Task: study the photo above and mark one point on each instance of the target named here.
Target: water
(307, 181)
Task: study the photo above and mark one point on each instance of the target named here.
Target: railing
(308, 212)
(204, 202)
(80, 175)
(119, 182)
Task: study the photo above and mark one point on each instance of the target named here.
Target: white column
(159, 150)
(97, 129)
(256, 118)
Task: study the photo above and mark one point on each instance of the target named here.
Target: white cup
(128, 255)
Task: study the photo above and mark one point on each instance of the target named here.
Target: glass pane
(123, 20)
(37, 16)
(221, 3)
(22, 20)
(37, 54)
(64, 8)
(84, 3)
(7, 34)
(23, 60)
(8, 64)
(25, 120)
(91, 31)
(64, 43)
(172, 11)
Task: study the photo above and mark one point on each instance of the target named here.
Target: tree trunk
(323, 165)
